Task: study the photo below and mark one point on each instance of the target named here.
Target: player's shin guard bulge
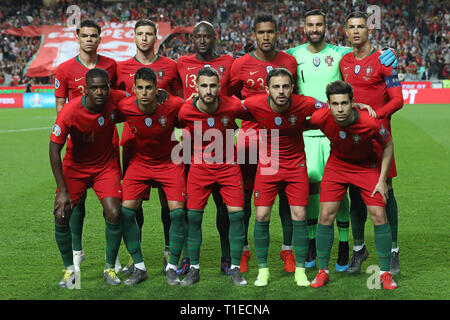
(194, 240)
(237, 236)
(176, 234)
(131, 234)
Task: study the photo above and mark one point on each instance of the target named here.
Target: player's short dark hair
(145, 22)
(279, 72)
(357, 14)
(339, 87)
(89, 24)
(145, 73)
(316, 12)
(208, 24)
(97, 73)
(208, 72)
(264, 18)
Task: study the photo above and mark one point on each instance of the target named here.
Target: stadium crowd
(418, 30)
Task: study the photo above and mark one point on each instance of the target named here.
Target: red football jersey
(373, 83)
(248, 76)
(152, 131)
(354, 143)
(188, 67)
(165, 68)
(289, 124)
(91, 133)
(198, 124)
(70, 78)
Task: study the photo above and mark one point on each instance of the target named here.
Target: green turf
(31, 266)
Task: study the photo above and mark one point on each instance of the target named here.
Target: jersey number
(259, 84)
(88, 137)
(82, 91)
(191, 80)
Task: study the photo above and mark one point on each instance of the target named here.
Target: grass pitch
(31, 265)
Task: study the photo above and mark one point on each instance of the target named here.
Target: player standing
(248, 78)
(281, 116)
(378, 86)
(145, 33)
(353, 160)
(90, 161)
(204, 40)
(212, 167)
(70, 82)
(152, 125)
(318, 65)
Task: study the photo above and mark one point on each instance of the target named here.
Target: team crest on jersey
(101, 121)
(221, 69)
(278, 121)
(316, 61)
(356, 138)
(329, 60)
(148, 122)
(269, 68)
(342, 135)
(56, 130)
(382, 130)
(161, 73)
(357, 69)
(56, 83)
(162, 121)
(225, 120)
(210, 122)
(368, 70)
(292, 119)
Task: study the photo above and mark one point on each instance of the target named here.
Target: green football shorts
(317, 150)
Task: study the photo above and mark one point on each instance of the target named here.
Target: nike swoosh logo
(190, 68)
(76, 80)
(251, 73)
(345, 68)
(131, 74)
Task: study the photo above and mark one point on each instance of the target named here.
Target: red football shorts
(203, 179)
(105, 180)
(336, 179)
(248, 168)
(141, 176)
(293, 180)
(128, 144)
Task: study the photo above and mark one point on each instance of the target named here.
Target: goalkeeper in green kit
(318, 65)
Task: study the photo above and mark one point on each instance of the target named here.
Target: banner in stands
(11, 101)
(58, 43)
(427, 96)
(39, 100)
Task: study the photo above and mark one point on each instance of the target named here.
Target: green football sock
(324, 243)
(358, 215)
(312, 214)
(64, 241)
(165, 219)
(383, 242)
(194, 241)
(140, 221)
(247, 213)
(223, 226)
(301, 242)
(342, 219)
(262, 240)
(285, 216)
(113, 234)
(131, 235)
(185, 246)
(76, 225)
(176, 234)
(392, 216)
(236, 236)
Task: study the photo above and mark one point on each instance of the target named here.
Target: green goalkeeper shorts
(317, 149)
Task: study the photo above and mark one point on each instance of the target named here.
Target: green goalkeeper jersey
(316, 70)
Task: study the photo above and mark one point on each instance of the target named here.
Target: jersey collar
(77, 59)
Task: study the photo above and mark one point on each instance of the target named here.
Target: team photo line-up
(314, 124)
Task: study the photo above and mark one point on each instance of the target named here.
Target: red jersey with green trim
(152, 132)
(204, 128)
(70, 78)
(287, 127)
(188, 67)
(354, 143)
(91, 134)
(165, 69)
(248, 76)
(373, 83)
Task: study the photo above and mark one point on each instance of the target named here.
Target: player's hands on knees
(382, 188)
(63, 205)
(363, 106)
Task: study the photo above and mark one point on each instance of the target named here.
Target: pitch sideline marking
(26, 129)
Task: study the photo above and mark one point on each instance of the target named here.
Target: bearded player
(378, 86)
(248, 78)
(70, 82)
(204, 38)
(318, 65)
(145, 35)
